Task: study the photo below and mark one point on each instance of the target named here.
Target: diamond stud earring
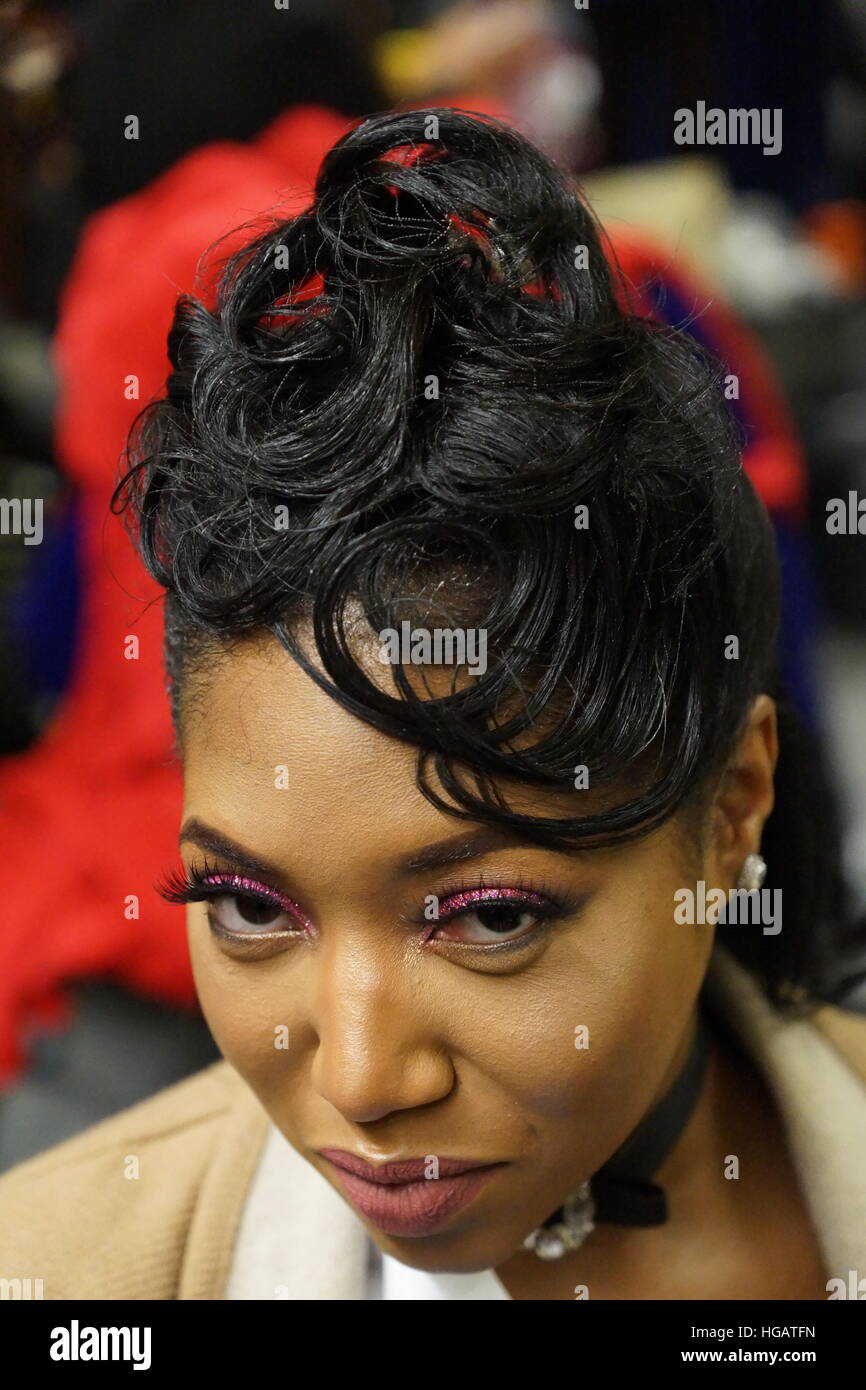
(753, 873)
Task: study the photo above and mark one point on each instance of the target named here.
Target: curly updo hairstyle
(401, 400)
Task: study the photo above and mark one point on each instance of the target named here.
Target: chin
(448, 1253)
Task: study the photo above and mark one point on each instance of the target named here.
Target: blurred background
(135, 132)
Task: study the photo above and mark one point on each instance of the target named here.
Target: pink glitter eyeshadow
(236, 883)
(457, 902)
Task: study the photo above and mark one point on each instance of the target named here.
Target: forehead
(260, 729)
(263, 744)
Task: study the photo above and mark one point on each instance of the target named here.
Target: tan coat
(182, 1229)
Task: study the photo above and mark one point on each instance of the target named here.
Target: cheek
(650, 976)
(244, 1005)
(594, 1037)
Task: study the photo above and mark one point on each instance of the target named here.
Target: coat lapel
(821, 1096)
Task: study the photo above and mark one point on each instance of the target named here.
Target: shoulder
(107, 1214)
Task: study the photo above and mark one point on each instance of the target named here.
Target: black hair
(430, 372)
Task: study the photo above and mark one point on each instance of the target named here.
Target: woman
(471, 646)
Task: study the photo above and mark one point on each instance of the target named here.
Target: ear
(745, 795)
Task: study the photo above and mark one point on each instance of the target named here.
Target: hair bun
(434, 191)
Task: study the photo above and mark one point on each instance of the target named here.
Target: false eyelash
(181, 886)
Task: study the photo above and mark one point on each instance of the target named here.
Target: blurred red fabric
(90, 814)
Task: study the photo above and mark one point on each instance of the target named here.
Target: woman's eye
(242, 915)
(491, 921)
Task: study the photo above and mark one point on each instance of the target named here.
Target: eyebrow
(459, 849)
(197, 833)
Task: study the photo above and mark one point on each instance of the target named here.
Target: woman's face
(530, 1034)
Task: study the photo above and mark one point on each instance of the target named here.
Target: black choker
(622, 1193)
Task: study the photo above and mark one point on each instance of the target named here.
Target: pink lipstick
(399, 1199)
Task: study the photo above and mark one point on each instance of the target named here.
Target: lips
(400, 1198)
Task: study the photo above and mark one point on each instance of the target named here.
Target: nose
(378, 1050)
